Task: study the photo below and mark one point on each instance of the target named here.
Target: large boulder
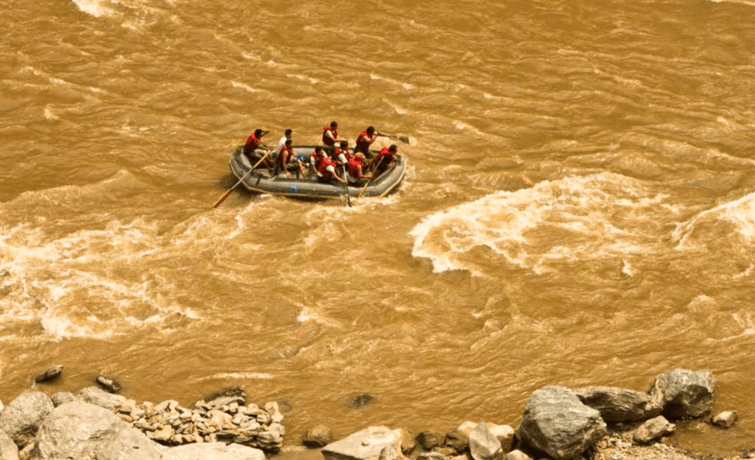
(213, 451)
(363, 445)
(128, 444)
(683, 393)
(76, 430)
(556, 422)
(8, 448)
(23, 416)
(619, 404)
(98, 397)
(483, 445)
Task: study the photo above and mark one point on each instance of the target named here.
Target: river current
(579, 207)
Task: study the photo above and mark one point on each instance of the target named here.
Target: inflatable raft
(261, 181)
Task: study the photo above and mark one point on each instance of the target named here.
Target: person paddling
(330, 137)
(342, 154)
(365, 140)
(384, 160)
(326, 171)
(315, 158)
(283, 160)
(282, 142)
(356, 168)
(253, 143)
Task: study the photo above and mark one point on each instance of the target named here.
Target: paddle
(369, 181)
(346, 186)
(403, 139)
(226, 194)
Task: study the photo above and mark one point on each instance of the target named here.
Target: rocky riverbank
(600, 423)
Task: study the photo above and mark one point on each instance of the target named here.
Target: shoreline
(590, 423)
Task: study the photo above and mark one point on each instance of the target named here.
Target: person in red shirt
(283, 161)
(326, 171)
(384, 160)
(356, 169)
(253, 143)
(330, 137)
(365, 140)
(342, 154)
(315, 158)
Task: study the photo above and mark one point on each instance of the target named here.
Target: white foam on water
(577, 214)
(49, 115)
(306, 315)
(96, 8)
(740, 213)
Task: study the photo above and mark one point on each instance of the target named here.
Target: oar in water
(403, 139)
(226, 194)
(346, 186)
(369, 181)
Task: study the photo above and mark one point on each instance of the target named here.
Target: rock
(164, 434)
(108, 384)
(360, 400)
(517, 455)
(97, 397)
(363, 445)
(725, 419)
(652, 430)
(213, 451)
(50, 374)
(430, 439)
(457, 440)
(8, 448)
(620, 405)
(483, 445)
(504, 434)
(128, 444)
(23, 416)
(556, 422)
(445, 451)
(62, 397)
(431, 456)
(235, 392)
(684, 393)
(76, 430)
(390, 453)
(318, 436)
(467, 427)
(408, 443)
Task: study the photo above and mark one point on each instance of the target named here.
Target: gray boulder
(483, 445)
(652, 430)
(23, 416)
(97, 397)
(129, 444)
(8, 448)
(76, 430)
(62, 397)
(213, 451)
(683, 393)
(556, 422)
(620, 405)
(363, 445)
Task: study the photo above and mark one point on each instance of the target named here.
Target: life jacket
(327, 140)
(353, 167)
(345, 152)
(361, 143)
(384, 158)
(281, 154)
(252, 143)
(317, 158)
(323, 164)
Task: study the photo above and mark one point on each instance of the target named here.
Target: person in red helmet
(356, 169)
(384, 160)
(365, 140)
(330, 137)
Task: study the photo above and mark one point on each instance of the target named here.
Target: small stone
(430, 439)
(108, 384)
(50, 374)
(431, 456)
(652, 430)
(517, 455)
(390, 453)
(360, 400)
(725, 419)
(59, 398)
(164, 434)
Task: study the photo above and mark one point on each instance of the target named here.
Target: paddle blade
(222, 198)
(404, 139)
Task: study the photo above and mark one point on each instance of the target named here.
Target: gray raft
(260, 180)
